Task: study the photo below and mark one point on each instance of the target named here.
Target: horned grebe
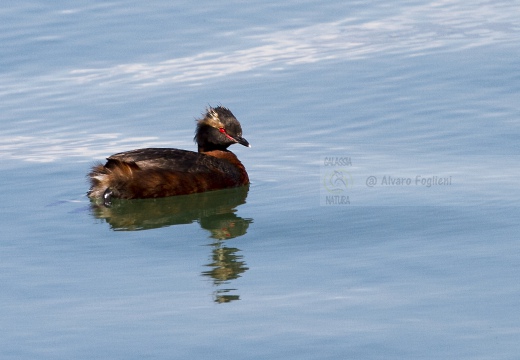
(160, 172)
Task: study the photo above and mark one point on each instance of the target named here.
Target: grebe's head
(218, 129)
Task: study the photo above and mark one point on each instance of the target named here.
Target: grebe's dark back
(160, 172)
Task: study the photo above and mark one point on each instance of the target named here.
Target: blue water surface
(347, 244)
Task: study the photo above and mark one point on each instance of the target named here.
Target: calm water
(382, 219)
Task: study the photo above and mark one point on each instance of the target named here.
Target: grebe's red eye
(223, 131)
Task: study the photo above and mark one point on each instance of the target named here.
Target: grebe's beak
(238, 139)
(241, 141)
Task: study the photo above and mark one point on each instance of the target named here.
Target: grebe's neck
(232, 158)
(211, 147)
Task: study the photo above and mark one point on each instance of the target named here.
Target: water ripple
(438, 26)
(85, 147)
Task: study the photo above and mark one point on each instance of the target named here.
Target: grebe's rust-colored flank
(160, 172)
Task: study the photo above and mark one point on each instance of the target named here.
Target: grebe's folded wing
(171, 159)
(147, 154)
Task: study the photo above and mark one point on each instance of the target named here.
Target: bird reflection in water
(226, 264)
(214, 211)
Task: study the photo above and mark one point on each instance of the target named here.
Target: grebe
(161, 172)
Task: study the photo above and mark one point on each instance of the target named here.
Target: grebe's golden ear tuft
(211, 118)
(212, 113)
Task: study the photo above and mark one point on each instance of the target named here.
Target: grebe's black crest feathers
(218, 129)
